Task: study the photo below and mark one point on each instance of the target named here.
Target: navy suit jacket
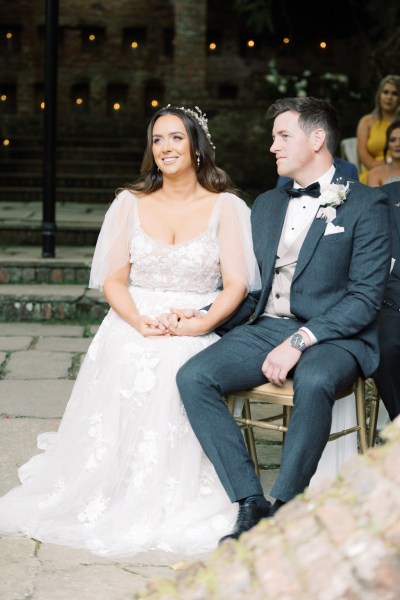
(392, 190)
(337, 288)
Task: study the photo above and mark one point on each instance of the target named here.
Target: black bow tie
(311, 190)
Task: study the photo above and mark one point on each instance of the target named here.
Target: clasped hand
(183, 321)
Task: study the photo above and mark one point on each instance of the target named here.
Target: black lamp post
(50, 131)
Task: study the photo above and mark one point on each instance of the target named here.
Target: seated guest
(371, 128)
(387, 377)
(389, 171)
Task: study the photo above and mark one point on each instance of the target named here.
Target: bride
(125, 472)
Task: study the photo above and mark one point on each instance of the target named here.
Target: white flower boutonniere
(334, 195)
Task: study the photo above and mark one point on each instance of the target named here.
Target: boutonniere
(398, 204)
(334, 195)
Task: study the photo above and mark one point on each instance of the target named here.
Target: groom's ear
(318, 138)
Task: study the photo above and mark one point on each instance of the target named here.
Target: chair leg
(249, 437)
(361, 415)
(287, 413)
(373, 419)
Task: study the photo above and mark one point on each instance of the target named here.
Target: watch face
(297, 341)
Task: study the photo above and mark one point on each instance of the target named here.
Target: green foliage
(258, 13)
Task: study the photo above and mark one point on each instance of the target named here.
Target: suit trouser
(387, 377)
(234, 363)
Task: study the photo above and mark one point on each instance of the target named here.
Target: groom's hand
(281, 360)
(171, 319)
(187, 313)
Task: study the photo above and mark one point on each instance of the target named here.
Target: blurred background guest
(388, 172)
(371, 128)
(387, 377)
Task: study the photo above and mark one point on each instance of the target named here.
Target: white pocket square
(331, 228)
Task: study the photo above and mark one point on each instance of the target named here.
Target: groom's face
(293, 148)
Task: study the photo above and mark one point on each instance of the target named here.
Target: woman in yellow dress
(371, 129)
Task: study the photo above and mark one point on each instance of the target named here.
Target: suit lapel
(268, 232)
(316, 231)
(277, 207)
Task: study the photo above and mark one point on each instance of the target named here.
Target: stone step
(31, 235)
(21, 265)
(77, 224)
(46, 302)
(26, 179)
(100, 153)
(91, 195)
(33, 288)
(36, 140)
(72, 165)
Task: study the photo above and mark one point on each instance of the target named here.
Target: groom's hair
(314, 113)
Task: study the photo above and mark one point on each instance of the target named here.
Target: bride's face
(171, 145)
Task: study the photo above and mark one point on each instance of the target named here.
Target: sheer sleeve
(235, 241)
(112, 247)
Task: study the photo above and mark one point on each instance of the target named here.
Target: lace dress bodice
(192, 266)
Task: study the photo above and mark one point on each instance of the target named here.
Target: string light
(92, 37)
(323, 45)
(213, 46)
(6, 142)
(42, 105)
(3, 97)
(79, 101)
(286, 40)
(9, 35)
(251, 43)
(134, 45)
(154, 103)
(117, 106)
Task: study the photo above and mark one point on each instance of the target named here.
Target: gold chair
(283, 396)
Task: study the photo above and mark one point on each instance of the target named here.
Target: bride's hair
(211, 177)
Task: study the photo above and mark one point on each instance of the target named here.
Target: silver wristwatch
(297, 341)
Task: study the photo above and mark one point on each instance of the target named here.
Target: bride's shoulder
(123, 205)
(232, 201)
(125, 195)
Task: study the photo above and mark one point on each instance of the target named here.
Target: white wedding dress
(125, 472)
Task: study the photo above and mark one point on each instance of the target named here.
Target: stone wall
(339, 541)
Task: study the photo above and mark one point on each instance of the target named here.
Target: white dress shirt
(301, 211)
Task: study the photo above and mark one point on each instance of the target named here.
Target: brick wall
(185, 51)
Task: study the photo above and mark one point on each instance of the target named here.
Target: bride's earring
(198, 160)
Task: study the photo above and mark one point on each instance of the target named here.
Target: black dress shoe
(275, 507)
(251, 511)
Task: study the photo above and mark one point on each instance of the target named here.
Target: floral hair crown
(200, 118)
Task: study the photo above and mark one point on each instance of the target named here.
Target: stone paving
(38, 366)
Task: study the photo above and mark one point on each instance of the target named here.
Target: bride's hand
(148, 327)
(171, 319)
(187, 322)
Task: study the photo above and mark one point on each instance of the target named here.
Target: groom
(323, 247)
